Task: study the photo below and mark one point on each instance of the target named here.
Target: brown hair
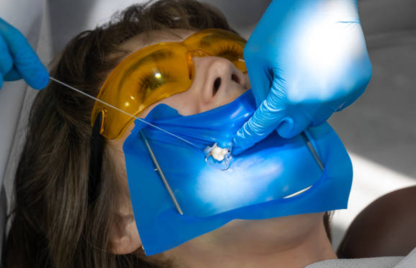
(52, 223)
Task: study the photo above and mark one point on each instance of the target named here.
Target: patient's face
(217, 82)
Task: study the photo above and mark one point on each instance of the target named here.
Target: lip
(233, 92)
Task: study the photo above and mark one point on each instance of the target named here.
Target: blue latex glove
(306, 59)
(18, 60)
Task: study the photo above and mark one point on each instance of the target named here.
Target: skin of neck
(291, 242)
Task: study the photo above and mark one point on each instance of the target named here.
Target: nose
(222, 81)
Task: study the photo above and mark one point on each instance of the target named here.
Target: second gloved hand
(306, 59)
(18, 60)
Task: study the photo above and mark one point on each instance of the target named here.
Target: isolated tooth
(218, 153)
(220, 157)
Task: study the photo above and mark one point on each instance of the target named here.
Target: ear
(124, 237)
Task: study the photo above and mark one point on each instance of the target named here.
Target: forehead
(146, 39)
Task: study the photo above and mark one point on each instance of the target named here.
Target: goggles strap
(96, 160)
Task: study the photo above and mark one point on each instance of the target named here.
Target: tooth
(220, 157)
(217, 151)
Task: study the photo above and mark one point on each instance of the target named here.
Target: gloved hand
(18, 60)
(305, 59)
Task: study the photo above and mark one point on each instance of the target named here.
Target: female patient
(53, 222)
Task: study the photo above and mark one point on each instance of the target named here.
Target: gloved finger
(6, 61)
(265, 120)
(293, 125)
(260, 76)
(366, 71)
(257, 127)
(352, 98)
(252, 132)
(12, 75)
(26, 61)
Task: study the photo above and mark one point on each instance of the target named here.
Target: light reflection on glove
(306, 59)
(18, 60)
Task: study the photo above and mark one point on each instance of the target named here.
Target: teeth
(216, 150)
(218, 157)
(218, 153)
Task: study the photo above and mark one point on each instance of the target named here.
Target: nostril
(235, 78)
(217, 84)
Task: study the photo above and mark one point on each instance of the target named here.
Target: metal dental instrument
(313, 151)
(140, 119)
(159, 170)
(162, 176)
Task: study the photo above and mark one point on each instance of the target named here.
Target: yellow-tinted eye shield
(158, 71)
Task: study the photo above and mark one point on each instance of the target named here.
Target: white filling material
(218, 153)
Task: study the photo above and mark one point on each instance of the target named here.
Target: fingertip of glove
(240, 144)
(237, 149)
(285, 129)
(3, 21)
(41, 82)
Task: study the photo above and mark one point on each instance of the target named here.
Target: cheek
(247, 84)
(186, 103)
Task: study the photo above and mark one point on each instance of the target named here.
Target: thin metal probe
(313, 151)
(162, 176)
(140, 119)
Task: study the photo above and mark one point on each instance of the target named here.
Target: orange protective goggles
(158, 71)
